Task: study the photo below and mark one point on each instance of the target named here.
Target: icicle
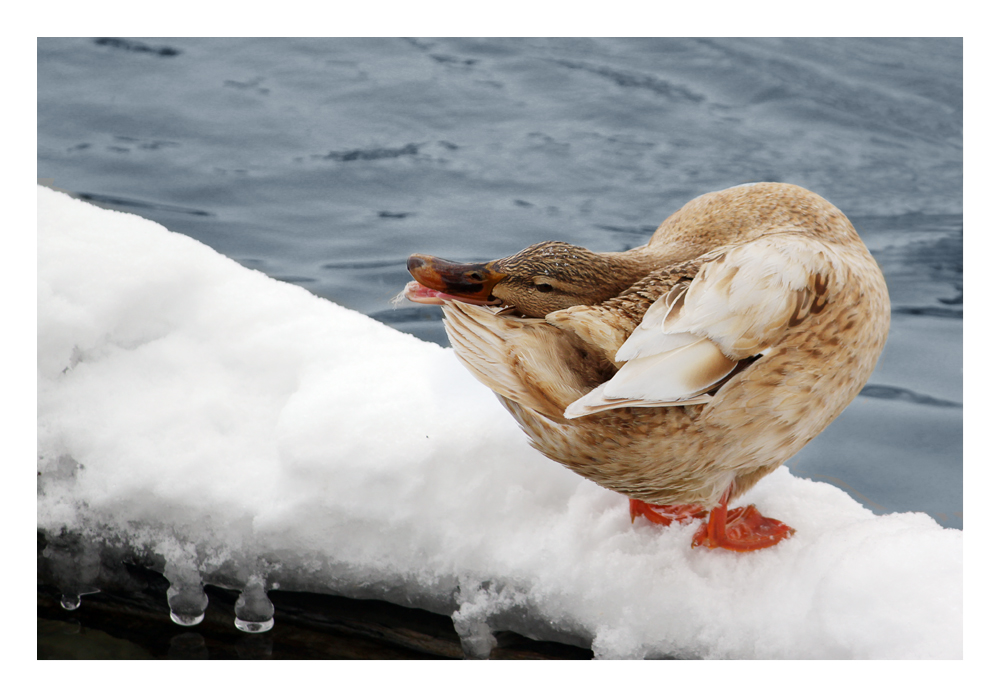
(470, 620)
(72, 563)
(476, 637)
(254, 612)
(186, 595)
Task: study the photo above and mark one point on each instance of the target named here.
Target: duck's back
(745, 212)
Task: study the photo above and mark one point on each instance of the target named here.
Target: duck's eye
(543, 287)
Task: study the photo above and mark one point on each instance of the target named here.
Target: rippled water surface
(326, 162)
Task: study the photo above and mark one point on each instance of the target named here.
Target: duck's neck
(635, 264)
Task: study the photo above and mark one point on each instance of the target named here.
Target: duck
(681, 372)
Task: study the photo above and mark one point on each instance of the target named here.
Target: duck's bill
(438, 280)
(417, 293)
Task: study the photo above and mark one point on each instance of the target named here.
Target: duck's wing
(528, 361)
(742, 302)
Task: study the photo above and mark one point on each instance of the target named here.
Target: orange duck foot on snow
(740, 529)
(665, 515)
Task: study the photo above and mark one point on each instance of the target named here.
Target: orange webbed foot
(740, 530)
(664, 515)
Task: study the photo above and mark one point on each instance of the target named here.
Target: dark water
(326, 162)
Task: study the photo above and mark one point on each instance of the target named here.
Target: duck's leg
(664, 515)
(741, 529)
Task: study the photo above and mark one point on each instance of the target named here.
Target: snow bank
(240, 430)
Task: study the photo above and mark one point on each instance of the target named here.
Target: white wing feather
(691, 338)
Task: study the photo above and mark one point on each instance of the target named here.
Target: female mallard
(681, 372)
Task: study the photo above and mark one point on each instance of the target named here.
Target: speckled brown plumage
(774, 276)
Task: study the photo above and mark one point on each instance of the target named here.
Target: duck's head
(540, 279)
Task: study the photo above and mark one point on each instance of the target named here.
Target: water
(325, 163)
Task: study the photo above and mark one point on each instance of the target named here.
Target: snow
(241, 429)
